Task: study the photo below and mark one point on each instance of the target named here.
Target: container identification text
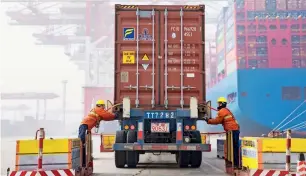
(160, 115)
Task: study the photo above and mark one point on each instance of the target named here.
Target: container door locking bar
(137, 58)
(153, 58)
(166, 59)
(137, 63)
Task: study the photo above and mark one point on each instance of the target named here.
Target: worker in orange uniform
(229, 123)
(93, 119)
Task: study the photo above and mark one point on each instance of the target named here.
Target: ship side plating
(260, 64)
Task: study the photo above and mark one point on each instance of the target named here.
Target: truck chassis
(137, 135)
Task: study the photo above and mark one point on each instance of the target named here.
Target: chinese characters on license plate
(160, 127)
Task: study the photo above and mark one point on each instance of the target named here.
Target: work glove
(116, 116)
(206, 119)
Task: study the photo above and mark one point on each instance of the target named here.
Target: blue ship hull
(257, 102)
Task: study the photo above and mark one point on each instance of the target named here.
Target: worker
(93, 120)
(227, 119)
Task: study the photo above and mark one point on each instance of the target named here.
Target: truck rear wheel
(196, 156)
(132, 157)
(183, 159)
(120, 156)
(176, 157)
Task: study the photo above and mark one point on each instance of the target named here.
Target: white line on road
(212, 166)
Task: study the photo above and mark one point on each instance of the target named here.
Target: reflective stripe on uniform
(230, 116)
(93, 113)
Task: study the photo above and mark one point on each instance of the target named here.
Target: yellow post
(232, 148)
(229, 148)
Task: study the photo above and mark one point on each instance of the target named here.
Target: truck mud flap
(163, 147)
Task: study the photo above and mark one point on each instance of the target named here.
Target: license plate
(160, 127)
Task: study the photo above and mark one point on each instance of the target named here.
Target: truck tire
(183, 159)
(120, 156)
(176, 157)
(132, 157)
(196, 156)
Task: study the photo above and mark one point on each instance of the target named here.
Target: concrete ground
(162, 165)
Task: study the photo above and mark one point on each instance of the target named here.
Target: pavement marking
(214, 167)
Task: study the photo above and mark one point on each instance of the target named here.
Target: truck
(160, 82)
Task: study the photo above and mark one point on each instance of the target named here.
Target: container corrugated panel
(152, 52)
(281, 4)
(298, 63)
(220, 38)
(220, 28)
(229, 12)
(231, 61)
(220, 46)
(230, 45)
(221, 66)
(292, 5)
(303, 51)
(300, 4)
(250, 5)
(230, 34)
(57, 154)
(260, 5)
(221, 55)
(221, 15)
(229, 23)
(303, 4)
(263, 63)
(270, 5)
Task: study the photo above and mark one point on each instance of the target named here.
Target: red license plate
(160, 127)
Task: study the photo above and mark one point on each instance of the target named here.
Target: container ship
(259, 64)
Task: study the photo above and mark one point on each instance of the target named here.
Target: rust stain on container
(160, 54)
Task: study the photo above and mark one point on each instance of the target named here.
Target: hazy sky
(28, 67)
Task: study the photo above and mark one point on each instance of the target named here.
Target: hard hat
(100, 102)
(221, 100)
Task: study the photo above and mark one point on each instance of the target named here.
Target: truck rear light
(132, 127)
(126, 127)
(193, 127)
(187, 127)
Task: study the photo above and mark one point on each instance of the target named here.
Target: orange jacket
(95, 116)
(226, 118)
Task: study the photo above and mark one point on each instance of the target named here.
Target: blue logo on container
(128, 33)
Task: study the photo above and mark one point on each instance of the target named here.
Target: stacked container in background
(210, 64)
(220, 45)
(261, 34)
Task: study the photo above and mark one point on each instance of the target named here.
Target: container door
(182, 34)
(137, 57)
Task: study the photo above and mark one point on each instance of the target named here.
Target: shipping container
(160, 66)
(221, 15)
(229, 12)
(149, 70)
(270, 5)
(292, 5)
(281, 4)
(260, 5)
